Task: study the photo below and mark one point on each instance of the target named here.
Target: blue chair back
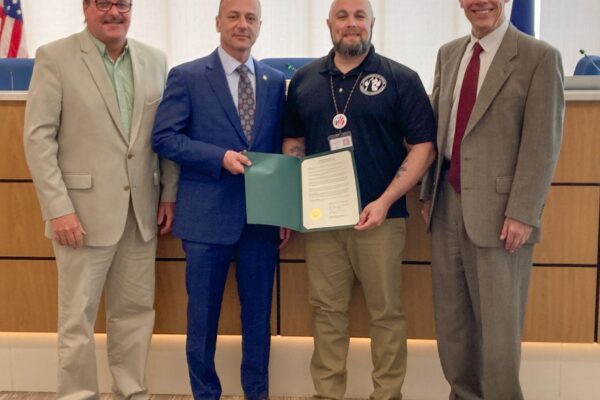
(589, 65)
(287, 65)
(15, 73)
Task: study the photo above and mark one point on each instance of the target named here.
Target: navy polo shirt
(388, 106)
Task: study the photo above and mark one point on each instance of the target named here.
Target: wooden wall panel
(28, 296)
(296, 313)
(171, 302)
(579, 161)
(21, 225)
(561, 302)
(562, 305)
(570, 226)
(169, 247)
(28, 299)
(418, 301)
(569, 236)
(171, 298)
(12, 159)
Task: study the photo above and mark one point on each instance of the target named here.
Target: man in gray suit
(88, 122)
(498, 99)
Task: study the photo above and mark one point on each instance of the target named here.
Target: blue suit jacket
(196, 123)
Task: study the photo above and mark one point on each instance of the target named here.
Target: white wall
(409, 31)
(571, 25)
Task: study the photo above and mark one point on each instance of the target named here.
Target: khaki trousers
(480, 295)
(126, 273)
(335, 260)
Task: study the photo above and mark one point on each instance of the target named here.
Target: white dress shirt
(233, 77)
(490, 44)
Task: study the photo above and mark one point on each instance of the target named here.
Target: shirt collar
(369, 64)
(491, 42)
(230, 63)
(102, 47)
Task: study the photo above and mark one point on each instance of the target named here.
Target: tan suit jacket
(78, 153)
(512, 141)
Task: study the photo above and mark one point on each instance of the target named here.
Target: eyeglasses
(122, 7)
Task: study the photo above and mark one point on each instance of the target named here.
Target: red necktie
(466, 101)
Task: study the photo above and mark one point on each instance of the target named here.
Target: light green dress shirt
(120, 73)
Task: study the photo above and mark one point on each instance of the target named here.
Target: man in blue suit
(214, 109)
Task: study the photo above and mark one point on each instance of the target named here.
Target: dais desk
(563, 305)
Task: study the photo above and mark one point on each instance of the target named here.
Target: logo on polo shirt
(373, 84)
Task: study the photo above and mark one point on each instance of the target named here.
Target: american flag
(12, 36)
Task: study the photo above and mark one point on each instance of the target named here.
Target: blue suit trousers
(206, 274)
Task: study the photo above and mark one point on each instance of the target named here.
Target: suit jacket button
(126, 187)
(130, 156)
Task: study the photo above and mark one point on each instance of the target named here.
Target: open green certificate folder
(310, 193)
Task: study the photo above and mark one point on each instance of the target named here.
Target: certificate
(317, 192)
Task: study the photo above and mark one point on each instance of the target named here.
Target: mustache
(109, 19)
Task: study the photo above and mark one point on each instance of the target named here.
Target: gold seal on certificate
(316, 214)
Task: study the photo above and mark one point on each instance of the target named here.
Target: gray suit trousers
(480, 295)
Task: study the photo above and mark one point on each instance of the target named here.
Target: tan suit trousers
(335, 260)
(480, 294)
(126, 273)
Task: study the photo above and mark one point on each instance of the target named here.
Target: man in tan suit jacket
(88, 123)
(484, 196)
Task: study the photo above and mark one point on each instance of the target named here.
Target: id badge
(341, 140)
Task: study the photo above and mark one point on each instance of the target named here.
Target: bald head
(337, 5)
(222, 3)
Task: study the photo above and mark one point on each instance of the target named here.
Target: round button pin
(339, 121)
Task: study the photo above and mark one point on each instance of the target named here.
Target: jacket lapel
(262, 88)
(218, 82)
(138, 63)
(95, 65)
(499, 71)
(447, 91)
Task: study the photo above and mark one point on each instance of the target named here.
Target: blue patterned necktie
(246, 103)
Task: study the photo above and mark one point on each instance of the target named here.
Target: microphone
(12, 79)
(582, 51)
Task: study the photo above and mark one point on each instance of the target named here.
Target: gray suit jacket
(79, 157)
(513, 137)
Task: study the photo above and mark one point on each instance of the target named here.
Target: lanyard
(340, 120)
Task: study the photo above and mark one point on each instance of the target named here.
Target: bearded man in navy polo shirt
(379, 108)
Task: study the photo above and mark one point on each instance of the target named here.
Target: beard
(352, 50)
